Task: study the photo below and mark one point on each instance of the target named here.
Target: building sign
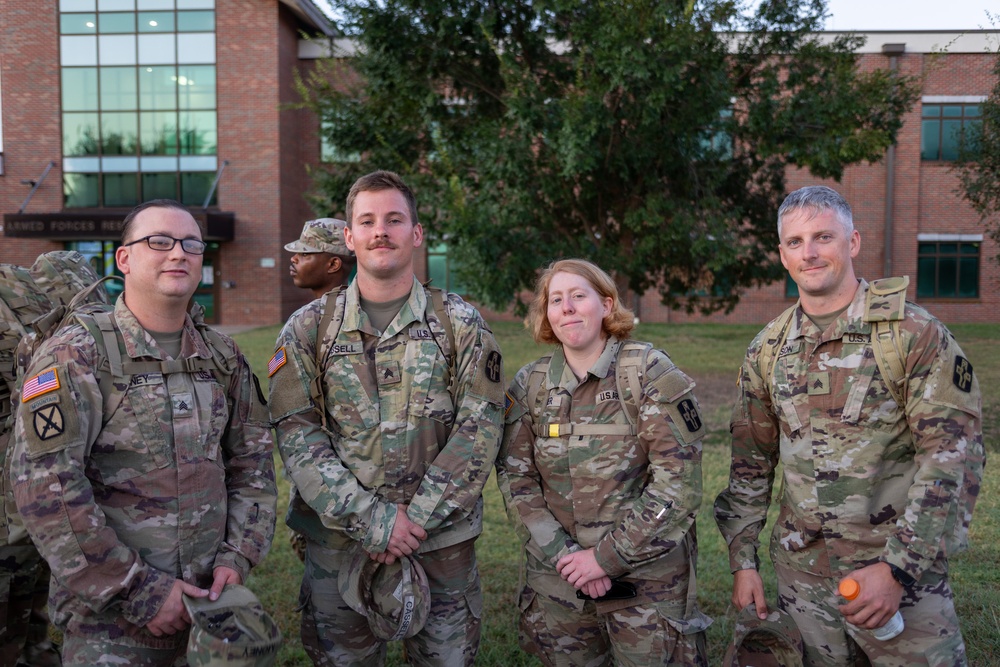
(91, 225)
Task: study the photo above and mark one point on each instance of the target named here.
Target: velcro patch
(277, 361)
(606, 396)
(962, 375)
(48, 422)
(494, 366)
(388, 372)
(508, 403)
(819, 383)
(420, 334)
(690, 415)
(43, 383)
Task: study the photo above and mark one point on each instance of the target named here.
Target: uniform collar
(851, 320)
(355, 318)
(561, 375)
(138, 343)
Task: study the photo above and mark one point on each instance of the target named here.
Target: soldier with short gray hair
(875, 413)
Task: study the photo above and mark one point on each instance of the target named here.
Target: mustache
(381, 244)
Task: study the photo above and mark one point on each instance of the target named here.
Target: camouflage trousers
(564, 631)
(86, 652)
(333, 634)
(24, 622)
(932, 636)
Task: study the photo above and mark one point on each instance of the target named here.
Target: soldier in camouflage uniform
(605, 502)
(167, 490)
(874, 489)
(389, 431)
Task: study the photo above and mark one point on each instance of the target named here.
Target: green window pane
(156, 21)
(159, 186)
(195, 21)
(947, 276)
(116, 22)
(970, 249)
(791, 288)
(196, 86)
(158, 133)
(79, 88)
(119, 133)
(80, 134)
(968, 277)
(119, 89)
(952, 111)
(973, 111)
(930, 140)
(78, 24)
(80, 191)
(926, 276)
(437, 270)
(198, 134)
(195, 187)
(158, 87)
(931, 111)
(948, 248)
(951, 139)
(926, 249)
(121, 189)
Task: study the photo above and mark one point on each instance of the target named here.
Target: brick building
(104, 103)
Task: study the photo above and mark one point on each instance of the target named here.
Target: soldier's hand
(172, 616)
(223, 576)
(748, 588)
(406, 536)
(878, 600)
(580, 568)
(597, 588)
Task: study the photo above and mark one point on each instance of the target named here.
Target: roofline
(312, 15)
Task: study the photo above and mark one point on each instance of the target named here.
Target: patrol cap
(394, 598)
(233, 630)
(322, 235)
(772, 642)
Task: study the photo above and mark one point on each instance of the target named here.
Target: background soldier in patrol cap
(876, 487)
(387, 399)
(322, 259)
(153, 479)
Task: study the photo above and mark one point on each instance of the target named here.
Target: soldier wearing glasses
(143, 458)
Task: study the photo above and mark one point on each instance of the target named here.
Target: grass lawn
(711, 354)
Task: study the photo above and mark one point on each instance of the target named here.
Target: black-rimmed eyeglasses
(165, 243)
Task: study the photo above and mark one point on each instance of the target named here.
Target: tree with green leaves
(979, 162)
(650, 137)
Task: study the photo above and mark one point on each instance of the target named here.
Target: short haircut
(377, 181)
(155, 203)
(816, 199)
(618, 323)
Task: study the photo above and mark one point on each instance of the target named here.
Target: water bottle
(850, 589)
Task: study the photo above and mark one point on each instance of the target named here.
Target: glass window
(154, 4)
(80, 134)
(78, 5)
(196, 87)
(80, 190)
(159, 186)
(117, 49)
(791, 288)
(196, 47)
(197, 133)
(158, 87)
(79, 89)
(116, 22)
(121, 189)
(116, 5)
(195, 21)
(439, 269)
(195, 4)
(119, 133)
(78, 24)
(156, 21)
(119, 89)
(158, 133)
(948, 269)
(195, 187)
(942, 129)
(77, 50)
(157, 49)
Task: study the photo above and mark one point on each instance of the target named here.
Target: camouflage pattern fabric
(233, 630)
(931, 637)
(172, 485)
(322, 235)
(865, 479)
(395, 434)
(334, 635)
(774, 641)
(395, 597)
(633, 498)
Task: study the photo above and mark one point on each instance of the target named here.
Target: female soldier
(601, 459)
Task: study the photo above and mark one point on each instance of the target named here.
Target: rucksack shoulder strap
(885, 308)
(629, 368)
(334, 305)
(533, 393)
(436, 311)
(771, 341)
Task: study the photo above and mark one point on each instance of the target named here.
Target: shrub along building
(107, 103)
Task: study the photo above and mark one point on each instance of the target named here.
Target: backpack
(629, 367)
(885, 305)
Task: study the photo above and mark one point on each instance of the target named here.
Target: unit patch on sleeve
(689, 413)
(48, 422)
(277, 361)
(43, 383)
(962, 376)
(494, 367)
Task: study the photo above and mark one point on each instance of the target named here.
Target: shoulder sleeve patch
(962, 374)
(277, 361)
(43, 383)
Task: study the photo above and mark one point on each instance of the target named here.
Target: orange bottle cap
(849, 588)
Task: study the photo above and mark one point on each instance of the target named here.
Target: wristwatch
(902, 577)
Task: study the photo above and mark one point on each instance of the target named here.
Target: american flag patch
(43, 383)
(277, 361)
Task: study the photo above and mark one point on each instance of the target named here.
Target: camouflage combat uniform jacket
(864, 478)
(393, 434)
(633, 498)
(172, 486)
